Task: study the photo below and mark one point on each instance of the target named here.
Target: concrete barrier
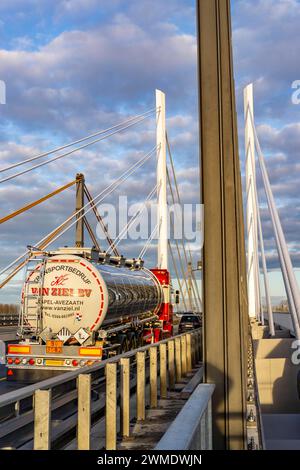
(192, 428)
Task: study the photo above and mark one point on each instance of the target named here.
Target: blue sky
(75, 66)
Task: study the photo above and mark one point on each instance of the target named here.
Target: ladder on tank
(30, 320)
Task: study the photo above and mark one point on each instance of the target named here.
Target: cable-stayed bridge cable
(100, 220)
(148, 242)
(195, 293)
(79, 213)
(177, 275)
(37, 202)
(178, 251)
(137, 214)
(57, 149)
(197, 300)
(287, 268)
(23, 263)
(27, 170)
(263, 258)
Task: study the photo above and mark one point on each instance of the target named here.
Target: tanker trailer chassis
(29, 361)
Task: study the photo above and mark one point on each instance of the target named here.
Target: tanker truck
(80, 306)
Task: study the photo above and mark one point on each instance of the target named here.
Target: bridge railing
(192, 427)
(104, 391)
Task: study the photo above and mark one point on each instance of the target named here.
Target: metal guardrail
(192, 427)
(9, 319)
(166, 361)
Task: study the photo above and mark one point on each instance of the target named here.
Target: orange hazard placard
(54, 347)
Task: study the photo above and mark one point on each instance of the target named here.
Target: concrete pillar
(84, 412)
(111, 406)
(153, 376)
(224, 274)
(163, 370)
(178, 359)
(42, 420)
(125, 396)
(140, 386)
(189, 352)
(183, 356)
(171, 364)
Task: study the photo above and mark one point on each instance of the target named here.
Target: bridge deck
(146, 434)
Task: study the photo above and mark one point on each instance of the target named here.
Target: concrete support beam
(171, 364)
(111, 406)
(84, 412)
(178, 359)
(140, 386)
(224, 262)
(163, 370)
(125, 396)
(196, 346)
(153, 377)
(183, 356)
(189, 352)
(42, 420)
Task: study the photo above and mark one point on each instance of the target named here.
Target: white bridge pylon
(252, 232)
(162, 205)
(254, 228)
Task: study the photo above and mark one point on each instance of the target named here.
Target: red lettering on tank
(39, 291)
(84, 292)
(61, 292)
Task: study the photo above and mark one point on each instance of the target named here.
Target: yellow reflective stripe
(53, 362)
(19, 349)
(90, 352)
